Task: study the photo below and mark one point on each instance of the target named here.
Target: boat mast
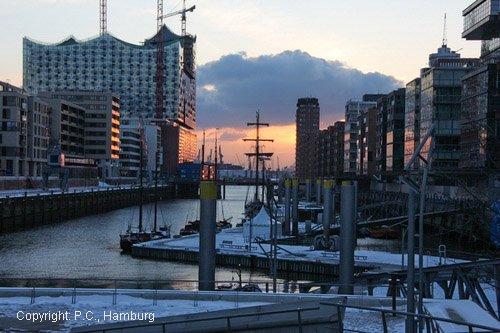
(156, 188)
(203, 157)
(140, 178)
(257, 153)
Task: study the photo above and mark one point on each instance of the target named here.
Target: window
(6, 114)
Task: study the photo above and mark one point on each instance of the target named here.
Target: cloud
(232, 136)
(239, 86)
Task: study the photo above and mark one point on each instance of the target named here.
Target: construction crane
(159, 61)
(103, 16)
(159, 50)
(182, 12)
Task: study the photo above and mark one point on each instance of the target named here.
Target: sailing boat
(253, 207)
(138, 235)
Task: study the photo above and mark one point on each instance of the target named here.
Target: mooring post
(334, 193)
(25, 209)
(295, 207)
(308, 190)
(347, 218)
(327, 187)
(410, 321)
(286, 227)
(318, 191)
(208, 208)
(280, 189)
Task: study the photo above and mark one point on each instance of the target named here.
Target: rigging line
(171, 10)
(163, 218)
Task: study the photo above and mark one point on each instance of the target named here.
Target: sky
(261, 54)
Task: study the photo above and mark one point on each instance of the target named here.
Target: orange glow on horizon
(234, 148)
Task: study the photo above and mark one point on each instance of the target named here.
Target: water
(89, 247)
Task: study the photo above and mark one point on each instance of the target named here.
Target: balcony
(481, 20)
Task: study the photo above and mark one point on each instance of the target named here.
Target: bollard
(318, 192)
(280, 193)
(346, 239)
(286, 226)
(410, 321)
(295, 207)
(308, 190)
(208, 206)
(327, 209)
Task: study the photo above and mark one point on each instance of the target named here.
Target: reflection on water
(89, 247)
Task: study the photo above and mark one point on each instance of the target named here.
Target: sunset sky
(260, 54)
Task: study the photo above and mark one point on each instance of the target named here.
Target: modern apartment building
(395, 130)
(367, 145)
(440, 104)
(23, 132)
(110, 65)
(102, 126)
(353, 109)
(67, 126)
(330, 151)
(307, 131)
(412, 120)
(179, 146)
(480, 121)
(130, 150)
(133, 135)
(381, 144)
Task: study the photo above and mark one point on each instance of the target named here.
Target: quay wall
(29, 211)
(250, 261)
(8, 183)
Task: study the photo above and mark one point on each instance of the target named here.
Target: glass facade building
(353, 109)
(307, 131)
(480, 132)
(481, 20)
(412, 120)
(395, 130)
(108, 64)
(441, 104)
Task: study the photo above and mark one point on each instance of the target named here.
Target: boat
(135, 235)
(249, 287)
(253, 207)
(193, 227)
(383, 232)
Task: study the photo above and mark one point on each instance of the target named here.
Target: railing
(429, 320)
(227, 317)
(154, 289)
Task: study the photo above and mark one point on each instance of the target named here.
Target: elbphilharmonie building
(108, 64)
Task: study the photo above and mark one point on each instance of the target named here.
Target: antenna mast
(445, 41)
(103, 16)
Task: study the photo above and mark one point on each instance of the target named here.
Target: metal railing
(226, 317)
(430, 321)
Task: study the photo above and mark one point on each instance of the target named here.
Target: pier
(28, 210)
(231, 250)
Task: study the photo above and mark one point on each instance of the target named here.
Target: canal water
(89, 247)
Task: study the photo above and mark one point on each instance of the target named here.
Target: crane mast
(159, 61)
(103, 16)
(159, 50)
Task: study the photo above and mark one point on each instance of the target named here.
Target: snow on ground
(460, 310)
(98, 309)
(235, 236)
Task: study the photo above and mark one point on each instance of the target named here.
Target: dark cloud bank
(274, 83)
